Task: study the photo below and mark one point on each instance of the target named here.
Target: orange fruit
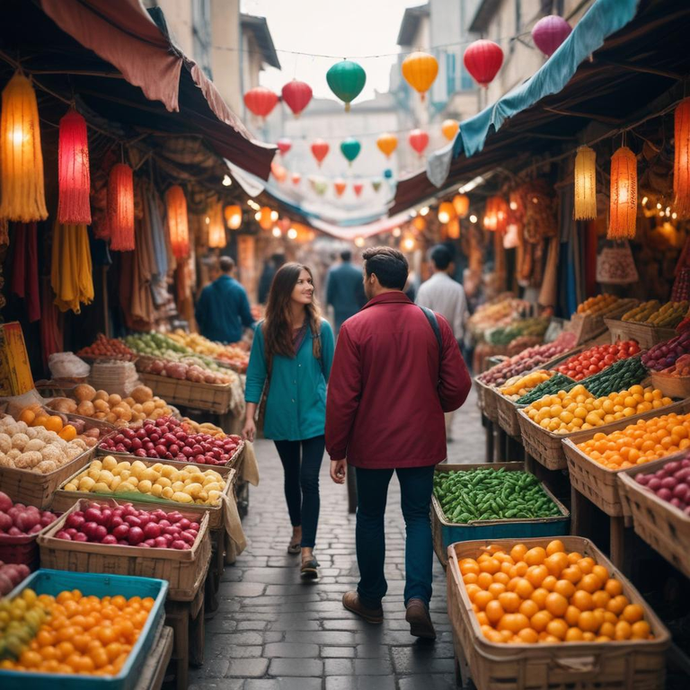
(613, 587)
(496, 588)
(68, 433)
(510, 601)
(27, 416)
(513, 622)
(469, 579)
(539, 596)
(556, 563)
(470, 589)
(602, 638)
(549, 583)
(517, 553)
(617, 604)
(586, 565)
(536, 574)
(524, 588)
(572, 573)
(556, 604)
(41, 420)
(601, 599)
(535, 556)
(484, 580)
(482, 619)
(481, 599)
(30, 659)
(588, 622)
(518, 570)
(528, 636)
(590, 583)
(493, 636)
(555, 546)
(565, 588)
(623, 630)
(572, 615)
(582, 600)
(632, 613)
(490, 565)
(468, 565)
(558, 628)
(529, 608)
(608, 629)
(601, 572)
(574, 557)
(502, 578)
(641, 630)
(550, 639)
(494, 611)
(574, 635)
(53, 423)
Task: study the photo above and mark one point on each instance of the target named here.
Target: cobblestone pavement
(273, 632)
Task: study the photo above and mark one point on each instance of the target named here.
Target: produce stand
(645, 334)
(605, 666)
(670, 385)
(589, 326)
(215, 398)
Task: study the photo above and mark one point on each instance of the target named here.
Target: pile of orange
(546, 595)
(83, 635)
(648, 439)
(35, 415)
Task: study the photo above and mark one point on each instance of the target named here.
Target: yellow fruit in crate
(87, 483)
(167, 492)
(144, 486)
(156, 490)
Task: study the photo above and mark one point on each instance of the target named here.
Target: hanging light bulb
(277, 232)
(623, 197)
(473, 218)
(227, 181)
(424, 210)
(408, 244)
(274, 216)
(585, 207)
(292, 233)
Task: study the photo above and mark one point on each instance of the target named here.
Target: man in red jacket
(396, 371)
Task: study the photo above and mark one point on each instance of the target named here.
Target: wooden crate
(152, 674)
(590, 326)
(647, 336)
(663, 526)
(593, 480)
(487, 394)
(185, 571)
(672, 386)
(445, 532)
(507, 416)
(211, 397)
(625, 665)
(544, 446)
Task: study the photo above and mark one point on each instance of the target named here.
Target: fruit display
(598, 306)
(193, 427)
(664, 355)
(527, 360)
(113, 408)
(128, 526)
(108, 348)
(488, 494)
(616, 377)
(668, 316)
(184, 371)
(521, 385)
(498, 312)
(641, 312)
(671, 483)
(71, 633)
(643, 441)
(36, 448)
(155, 345)
(549, 596)
(556, 384)
(578, 409)
(681, 367)
(11, 574)
(503, 335)
(166, 482)
(596, 359)
(229, 354)
(18, 520)
(166, 438)
(522, 343)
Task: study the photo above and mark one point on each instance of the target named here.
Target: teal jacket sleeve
(256, 371)
(327, 348)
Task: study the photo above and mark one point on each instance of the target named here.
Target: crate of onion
(112, 536)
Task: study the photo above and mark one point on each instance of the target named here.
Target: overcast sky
(343, 28)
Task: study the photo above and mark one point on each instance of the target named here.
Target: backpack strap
(433, 322)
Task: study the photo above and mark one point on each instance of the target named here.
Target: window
(201, 29)
(450, 73)
(466, 81)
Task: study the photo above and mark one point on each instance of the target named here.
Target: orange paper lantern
(681, 164)
(121, 208)
(450, 129)
(461, 204)
(420, 70)
(233, 216)
(178, 224)
(265, 218)
(74, 178)
(496, 214)
(387, 143)
(446, 212)
(217, 238)
(585, 205)
(623, 198)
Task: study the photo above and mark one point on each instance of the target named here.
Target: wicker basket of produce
(488, 397)
(589, 320)
(646, 335)
(565, 649)
(211, 397)
(510, 392)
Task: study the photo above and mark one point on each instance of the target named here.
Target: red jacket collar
(397, 296)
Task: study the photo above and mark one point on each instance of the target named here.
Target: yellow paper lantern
(446, 212)
(21, 158)
(233, 216)
(585, 207)
(461, 204)
(623, 200)
(420, 70)
(387, 143)
(216, 227)
(450, 129)
(681, 164)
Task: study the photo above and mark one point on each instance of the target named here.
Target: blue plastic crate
(100, 585)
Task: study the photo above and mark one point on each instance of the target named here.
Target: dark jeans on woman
(416, 484)
(302, 483)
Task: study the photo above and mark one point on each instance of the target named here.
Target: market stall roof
(636, 56)
(259, 28)
(172, 93)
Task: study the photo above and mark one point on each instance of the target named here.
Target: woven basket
(645, 335)
(489, 397)
(587, 327)
(672, 386)
(507, 415)
(211, 397)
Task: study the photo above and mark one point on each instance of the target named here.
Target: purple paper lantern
(549, 32)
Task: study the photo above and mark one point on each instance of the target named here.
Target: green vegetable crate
(446, 532)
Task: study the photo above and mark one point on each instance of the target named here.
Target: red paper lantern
(121, 208)
(681, 164)
(178, 224)
(419, 140)
(278, 171)
(296, 178)
(319, 150)
(357, 188)
(260, 101)
(549, 32)
(74, 178)
(284, 145)
(339, 186)
(483, 59)
(297, 95)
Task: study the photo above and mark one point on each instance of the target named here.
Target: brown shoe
(420, 622)
(352, 603)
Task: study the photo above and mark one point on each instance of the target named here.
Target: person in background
(444, 295)
(270, 268)
(290, 364)
(396, 370)
(223, 308)
(344, 290)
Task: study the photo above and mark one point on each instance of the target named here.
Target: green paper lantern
(346, 80)
(350, 149)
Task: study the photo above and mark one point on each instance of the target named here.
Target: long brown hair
(277, 327)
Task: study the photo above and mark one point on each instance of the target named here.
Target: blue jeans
(416, 484)
(302, 483)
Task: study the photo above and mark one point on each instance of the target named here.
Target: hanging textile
(71, 273)
(51, 325)
(25, 268)
(155, 231)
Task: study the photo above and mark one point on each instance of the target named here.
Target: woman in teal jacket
(290, 364)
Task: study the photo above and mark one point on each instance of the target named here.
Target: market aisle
(273, 632)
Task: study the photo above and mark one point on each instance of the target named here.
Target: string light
(227, 181)
(277, 232)
(292, 233)
(423, 211)
(359, 241)
(473, 218)
(397, 232)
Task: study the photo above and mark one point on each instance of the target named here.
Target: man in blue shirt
(223, 307)
(344, 290)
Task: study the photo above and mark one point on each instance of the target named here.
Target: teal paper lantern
(346, 80)
(350, 149)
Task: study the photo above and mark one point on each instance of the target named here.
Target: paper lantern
(278, 171)
(260, 101)
(681, 163)
(74, 178)
(453, 229)
(419, 140)
(357, 188)
(21, 159)
(265, 218)
(483, 59)
(297, 94)
(121, 208)
(446, 212)
(549, 32)
(623, 197)
(585, 207)
(496, 214)
(178, 224)
(346, 80)
(419, 71)
(233, 216)
(217, 238)
(461, 204)
(340, 186)
(320, 187)
(387, 143)
(376, 184)
(284, 145)
(320, 149)
(419, 223)
(296, 178)
(450, 129)
(350, 148)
